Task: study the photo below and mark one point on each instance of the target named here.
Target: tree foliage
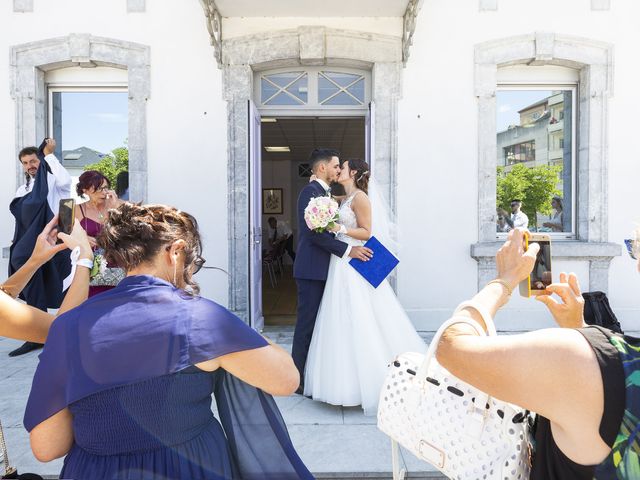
(535, 186)
(111, 164)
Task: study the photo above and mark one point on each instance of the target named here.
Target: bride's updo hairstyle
(134, 234)
(361, 177)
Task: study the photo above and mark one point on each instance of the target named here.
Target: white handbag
(454, 426)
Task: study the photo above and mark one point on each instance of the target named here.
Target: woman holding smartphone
(22, 322)
(580, 380)
(92, 215)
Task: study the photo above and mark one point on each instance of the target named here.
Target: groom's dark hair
(321, 155)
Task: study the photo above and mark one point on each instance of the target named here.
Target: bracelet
(504, 284)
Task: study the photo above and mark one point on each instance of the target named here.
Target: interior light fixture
(268, 120)
(277, 149)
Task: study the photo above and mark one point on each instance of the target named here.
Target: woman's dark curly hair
(134, 234)
(361, 177)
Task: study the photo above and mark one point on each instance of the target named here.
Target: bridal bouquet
(321, 214)
(102, 275)
(99, 264)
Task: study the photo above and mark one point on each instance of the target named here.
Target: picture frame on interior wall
(272, 201)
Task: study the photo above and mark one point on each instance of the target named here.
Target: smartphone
(66, 215)
(540, 278)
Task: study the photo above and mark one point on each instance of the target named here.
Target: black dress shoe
(25, 348)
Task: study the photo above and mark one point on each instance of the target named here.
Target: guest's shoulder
(204, 309)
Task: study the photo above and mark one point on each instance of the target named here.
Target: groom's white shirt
(324, 185)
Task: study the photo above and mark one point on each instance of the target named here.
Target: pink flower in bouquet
(321, 213)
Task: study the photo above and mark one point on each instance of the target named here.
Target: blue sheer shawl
(145, 328)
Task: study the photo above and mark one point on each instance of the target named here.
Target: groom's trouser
(309, 297)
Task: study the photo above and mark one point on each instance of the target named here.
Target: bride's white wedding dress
(359, 330)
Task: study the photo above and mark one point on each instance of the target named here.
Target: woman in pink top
(93, 213)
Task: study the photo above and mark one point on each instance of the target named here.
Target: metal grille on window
(304, 170)
(288, 88)
(336, 88)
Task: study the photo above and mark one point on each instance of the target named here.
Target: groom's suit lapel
(320, 191)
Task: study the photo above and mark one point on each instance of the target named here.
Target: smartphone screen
(66, 215)
(540, 277)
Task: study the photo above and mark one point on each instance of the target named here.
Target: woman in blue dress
(124, 384)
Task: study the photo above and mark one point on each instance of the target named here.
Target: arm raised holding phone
(23, 322)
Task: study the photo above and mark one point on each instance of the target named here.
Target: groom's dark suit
(310, 271)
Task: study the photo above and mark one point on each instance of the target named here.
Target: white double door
(256, 317)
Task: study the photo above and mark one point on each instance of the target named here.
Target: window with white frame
(313, 88)
(90, 125)
(536, 171)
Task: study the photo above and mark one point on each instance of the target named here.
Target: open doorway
(286, 145)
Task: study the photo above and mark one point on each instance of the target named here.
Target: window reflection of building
(539, 138)
(522, 152)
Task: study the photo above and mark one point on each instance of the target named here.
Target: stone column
(599, 274)
(486, 271)
(237, 88)
(387, 80)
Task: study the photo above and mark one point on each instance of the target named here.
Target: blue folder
(377, 268)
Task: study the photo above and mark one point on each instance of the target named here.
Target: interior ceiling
(312, 8)
(302, 135)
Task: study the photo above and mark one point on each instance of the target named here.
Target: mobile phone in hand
(540, 278)
(66, 215)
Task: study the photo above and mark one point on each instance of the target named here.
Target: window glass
(91, 129)
(535, 164)
(335, 88)
(288, 88)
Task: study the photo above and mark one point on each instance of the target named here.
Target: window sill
(563, 250)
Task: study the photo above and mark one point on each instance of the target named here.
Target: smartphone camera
(541, 276)
(66, 215)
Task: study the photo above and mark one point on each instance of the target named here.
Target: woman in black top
(573, 378)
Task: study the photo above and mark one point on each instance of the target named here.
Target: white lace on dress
(349, 220)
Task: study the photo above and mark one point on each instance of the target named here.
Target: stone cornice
(214, 26)
(409, 22)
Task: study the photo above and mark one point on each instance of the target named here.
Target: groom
(313, 255)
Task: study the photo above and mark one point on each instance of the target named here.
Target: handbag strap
(423, 370)
(398, 473)
(5, 455)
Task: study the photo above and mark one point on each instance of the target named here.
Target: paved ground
(334, 442)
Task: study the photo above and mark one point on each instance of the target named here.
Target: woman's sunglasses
(632, 247)
(197, 264)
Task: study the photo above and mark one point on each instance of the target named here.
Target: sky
(98, 120)
(508, 102)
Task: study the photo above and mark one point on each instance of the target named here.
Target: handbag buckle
(431, 453)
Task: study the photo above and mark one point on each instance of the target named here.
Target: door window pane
(288, 88)
(535, 159)
(336, 88)
(91, 130)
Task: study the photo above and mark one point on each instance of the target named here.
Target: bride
(359, 329)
